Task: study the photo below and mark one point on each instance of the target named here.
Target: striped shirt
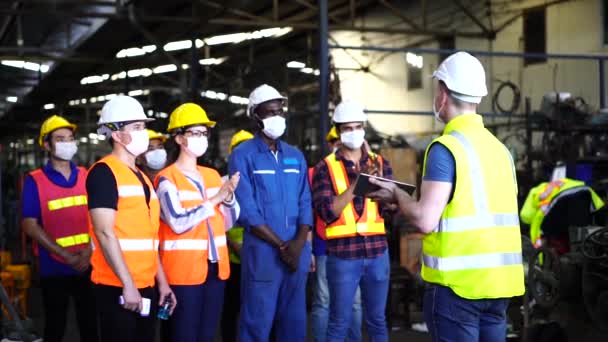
(181, 219)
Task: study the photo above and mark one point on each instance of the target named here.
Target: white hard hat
(349, 111)
(122, 109)
(262, 94)
(464, 76)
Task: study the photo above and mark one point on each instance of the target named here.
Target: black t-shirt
(102, 190)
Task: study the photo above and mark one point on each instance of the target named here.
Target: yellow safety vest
(476, 248)
(350, 223)
(540, 201)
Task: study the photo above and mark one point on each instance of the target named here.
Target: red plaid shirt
(356, 247)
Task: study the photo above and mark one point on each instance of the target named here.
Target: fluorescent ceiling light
(238, 100)
(30, 141)
(49, 106)
(212, 61)
(12, 99)
(185, 66)
(84, 139)
(307, 70)
(135, 51)
(235, 38)
(145, 72)
(94, 79)
(178, 45)
(137, 92)
(296, 65)
(118, 76)
(165, 68)
(92, 135)
(163, 115)
(26, 65)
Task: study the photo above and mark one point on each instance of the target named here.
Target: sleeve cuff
(231, 203)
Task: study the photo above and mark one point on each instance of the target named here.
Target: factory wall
(571, 27)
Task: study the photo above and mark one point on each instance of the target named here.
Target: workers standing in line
(196, 211)
(55, 216)
(320, 301)
(232, 294)
(277, 216)
(125, 212)
(155, 158)
(472, 257)
(357, 249)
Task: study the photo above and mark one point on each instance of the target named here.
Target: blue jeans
(343, 278)
(199, 308)
(320, 306)
(450, 317)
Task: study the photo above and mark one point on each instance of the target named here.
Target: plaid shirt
(356, 247)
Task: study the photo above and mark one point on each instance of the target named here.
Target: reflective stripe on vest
(476, 248)
(64, 212)
(192, 244)
(482, 219)
(185, 256)
(67, 202)
(349, 223)
(135, 228)
(73, 240)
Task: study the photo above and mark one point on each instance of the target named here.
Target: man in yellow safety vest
(472, 258)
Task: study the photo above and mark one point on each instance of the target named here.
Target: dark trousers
(450, 317)
(56, 293)
(116, 324)
(198, 310)
(232, 304)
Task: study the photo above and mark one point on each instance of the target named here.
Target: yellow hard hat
(155, 135)
(189, 114)
(52, 123)
(332, 134)
(238, 138)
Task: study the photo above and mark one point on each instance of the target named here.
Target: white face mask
(197, 146)
(65, 150)
(274, 126)
(354, 139)
(437, 112)
(139, 142)
(156, 159)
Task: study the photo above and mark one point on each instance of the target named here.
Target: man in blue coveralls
(277, 216)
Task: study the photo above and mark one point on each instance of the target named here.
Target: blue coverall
(273, 190)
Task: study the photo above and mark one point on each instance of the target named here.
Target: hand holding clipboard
(367, 185)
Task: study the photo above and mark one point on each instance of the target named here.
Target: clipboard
(364, 187)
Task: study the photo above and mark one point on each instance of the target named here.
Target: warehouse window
(535, 34)
(605, 21)
(414, 70)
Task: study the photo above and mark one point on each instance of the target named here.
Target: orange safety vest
(319, 223)
(135, 226)
(64, 213)
(184, 256)
(350, 223)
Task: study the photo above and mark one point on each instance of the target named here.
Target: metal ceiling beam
(396, 12)
(234, 11)
(314, 26)
(117, 16)
(472, 16)
(313, 7)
